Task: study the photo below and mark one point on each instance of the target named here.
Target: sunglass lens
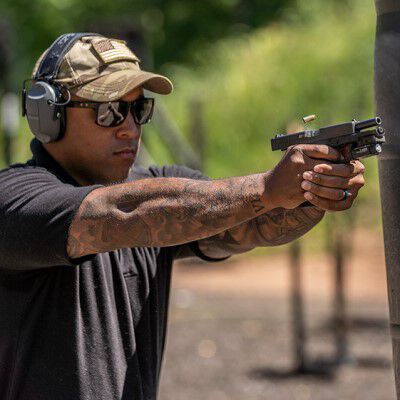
(142, 110)
(112, 114)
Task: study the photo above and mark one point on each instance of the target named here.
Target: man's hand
(284, 182)
(325, 184)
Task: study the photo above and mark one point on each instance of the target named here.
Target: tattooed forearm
(257, 204)
(273, 228)
(164, 212)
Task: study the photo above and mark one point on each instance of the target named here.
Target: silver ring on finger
(345, 195)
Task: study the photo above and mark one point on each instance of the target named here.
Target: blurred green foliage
(315, 62)
(174, 30)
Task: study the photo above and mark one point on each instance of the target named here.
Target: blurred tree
(6, 42)
(173, 29)
(5, 51)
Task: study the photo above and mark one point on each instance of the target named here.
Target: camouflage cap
(101, 69)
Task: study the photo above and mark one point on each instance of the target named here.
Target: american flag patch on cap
(112, 50)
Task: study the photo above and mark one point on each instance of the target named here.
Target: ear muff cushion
(46, 120)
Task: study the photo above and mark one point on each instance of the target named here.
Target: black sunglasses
(114, 113)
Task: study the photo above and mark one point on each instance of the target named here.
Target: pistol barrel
(380, 132)
(368, 123)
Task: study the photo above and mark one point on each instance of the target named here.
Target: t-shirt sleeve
(190, 249)
(36, 211)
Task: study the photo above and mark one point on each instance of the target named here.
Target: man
(87, 242)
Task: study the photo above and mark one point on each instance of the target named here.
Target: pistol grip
(346, 153)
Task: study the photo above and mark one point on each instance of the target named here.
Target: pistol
(360, 138)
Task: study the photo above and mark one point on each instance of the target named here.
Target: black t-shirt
(89, 328)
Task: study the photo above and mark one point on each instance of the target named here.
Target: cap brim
(117, 84)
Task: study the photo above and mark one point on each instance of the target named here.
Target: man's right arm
(164, 212)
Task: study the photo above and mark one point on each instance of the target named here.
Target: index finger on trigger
(343, 170)
(321, 151)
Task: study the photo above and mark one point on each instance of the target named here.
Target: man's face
(96, 154)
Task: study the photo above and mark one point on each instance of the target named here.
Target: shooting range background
(242, 73)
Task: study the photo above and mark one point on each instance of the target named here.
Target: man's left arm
(274, 228)
(324, 188)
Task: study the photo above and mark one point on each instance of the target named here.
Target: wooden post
(197, 129)
(8, 119)
(341, 238)
(176, 142)
(298, 325)
(340, 315)
(339, 244)
(387, 96)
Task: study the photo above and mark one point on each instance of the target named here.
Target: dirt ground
(231, 337)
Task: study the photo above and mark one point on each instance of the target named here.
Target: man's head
(99, 70)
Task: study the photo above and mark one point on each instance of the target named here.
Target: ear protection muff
(45, 112)
(44, 102)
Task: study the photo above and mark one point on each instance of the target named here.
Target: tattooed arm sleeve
(164, 212)
(273, 228)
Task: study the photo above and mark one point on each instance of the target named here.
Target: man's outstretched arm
(280, 226)
(162, 212)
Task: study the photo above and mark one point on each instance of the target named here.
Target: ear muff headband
(51, 62)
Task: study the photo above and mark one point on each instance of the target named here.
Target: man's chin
(117, 177)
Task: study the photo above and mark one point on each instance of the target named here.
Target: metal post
(387, 95)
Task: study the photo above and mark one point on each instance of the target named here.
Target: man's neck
(63, 162)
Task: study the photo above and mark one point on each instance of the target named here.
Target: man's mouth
(126, 153)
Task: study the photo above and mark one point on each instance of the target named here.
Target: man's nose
(129, 129)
